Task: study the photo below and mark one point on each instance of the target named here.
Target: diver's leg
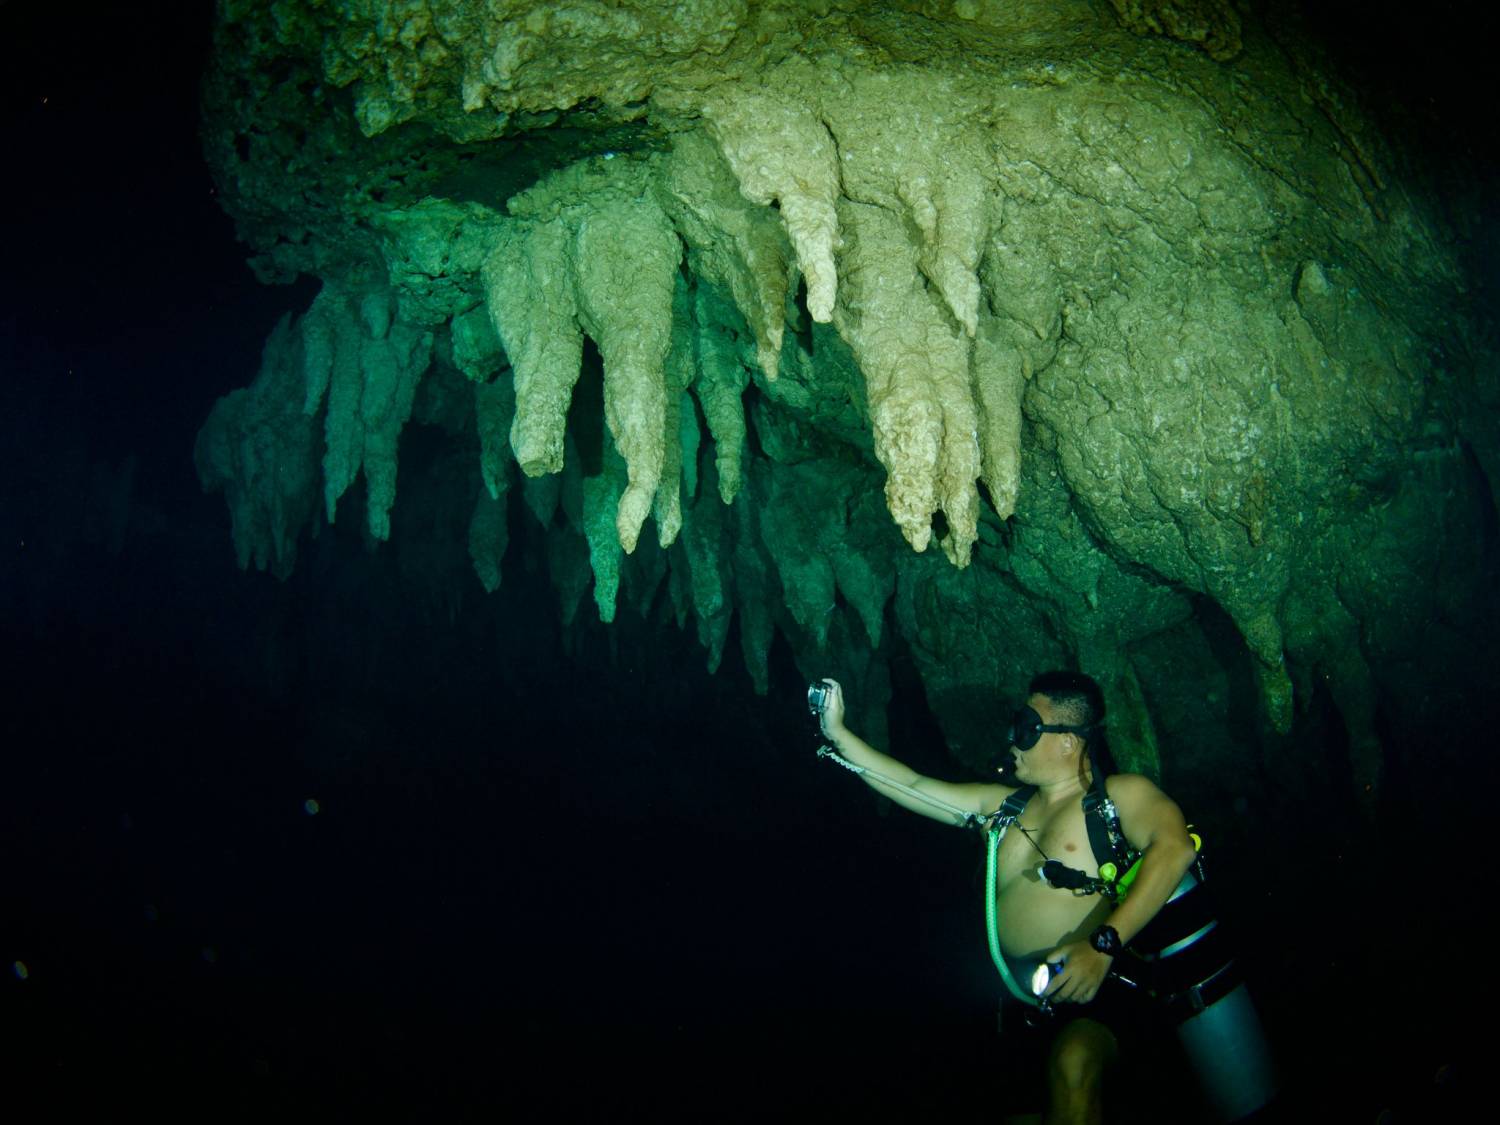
(1075, 1073)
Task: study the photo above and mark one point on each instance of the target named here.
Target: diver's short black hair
(1077, 697)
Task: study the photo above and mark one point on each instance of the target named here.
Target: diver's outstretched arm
(972, 798)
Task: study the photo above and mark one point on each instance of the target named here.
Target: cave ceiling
(1014, 334)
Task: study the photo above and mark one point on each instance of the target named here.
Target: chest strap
(1112, 851)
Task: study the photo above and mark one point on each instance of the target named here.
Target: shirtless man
(1038, 921)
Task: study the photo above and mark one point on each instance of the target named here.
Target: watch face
(1105, 939)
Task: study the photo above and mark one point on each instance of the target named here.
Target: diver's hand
(1083, 972)
(831, 721)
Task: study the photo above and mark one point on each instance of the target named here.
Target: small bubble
(152, 914)
(210, 955)
(20, 969)
(311, 806)
(1445, 1074)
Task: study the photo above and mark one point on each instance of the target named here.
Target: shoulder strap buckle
(1011, 808)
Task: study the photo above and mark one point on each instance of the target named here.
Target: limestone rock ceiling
(757, 301)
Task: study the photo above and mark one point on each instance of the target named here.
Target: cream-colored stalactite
(999, 373)
(529, 291)
(916, 367)
(732, 243)
(910, 144)
(951, 211)
(780, 152)
(626, 261)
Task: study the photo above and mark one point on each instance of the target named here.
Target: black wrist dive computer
(1106, 939)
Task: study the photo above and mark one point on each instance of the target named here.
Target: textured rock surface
(1141, 334)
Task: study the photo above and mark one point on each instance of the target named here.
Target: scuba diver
(1082, 861)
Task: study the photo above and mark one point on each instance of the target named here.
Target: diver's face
(1041, 760)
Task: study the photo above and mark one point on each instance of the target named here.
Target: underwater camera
(817, 697)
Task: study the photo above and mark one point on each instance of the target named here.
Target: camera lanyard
(964, 817)
(995, 826)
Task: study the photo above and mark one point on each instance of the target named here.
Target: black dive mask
(1027, 728)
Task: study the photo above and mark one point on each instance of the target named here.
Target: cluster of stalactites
(605, 267)
(796, 541)
(595, 252)
(352, 362)
(592, 254)
(367, 366)
(888, 221)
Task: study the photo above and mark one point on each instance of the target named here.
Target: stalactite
(627, 256)
(488, 537)
(721, 382)
(261, 449)
(530, 298)
(732, 243)
(706, 550)
(916, 366)
(780, 152)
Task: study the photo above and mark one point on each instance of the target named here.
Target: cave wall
(985, 336)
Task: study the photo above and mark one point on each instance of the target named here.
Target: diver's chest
(1062, 835)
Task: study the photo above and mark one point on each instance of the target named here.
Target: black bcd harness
(1106, 839)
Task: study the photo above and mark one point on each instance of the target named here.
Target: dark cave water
(427, 880)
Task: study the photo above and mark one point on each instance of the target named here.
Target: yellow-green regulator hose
(991, 924)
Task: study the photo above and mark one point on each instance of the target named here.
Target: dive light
(1045, 972)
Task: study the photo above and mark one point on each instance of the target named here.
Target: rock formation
(1111, 303)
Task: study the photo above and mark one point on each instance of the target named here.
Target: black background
(593, 879)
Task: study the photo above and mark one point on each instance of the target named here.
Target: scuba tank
(1189, 968)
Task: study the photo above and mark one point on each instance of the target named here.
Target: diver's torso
(1034, 918)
